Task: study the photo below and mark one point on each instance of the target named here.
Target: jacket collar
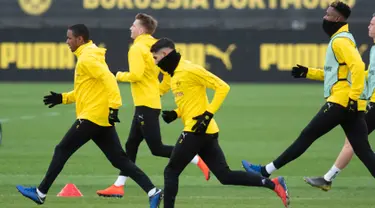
(81, 48)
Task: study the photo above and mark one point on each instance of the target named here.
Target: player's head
(165, 54)
(76, 36)
(162, 48)
(336, 16)
(371, 27)
(337, 11)
(143, 24)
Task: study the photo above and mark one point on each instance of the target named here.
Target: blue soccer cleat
(30, 192)
(156, 198)
(251, 167)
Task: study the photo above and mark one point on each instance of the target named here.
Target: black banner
(174, 13)
(241, 55)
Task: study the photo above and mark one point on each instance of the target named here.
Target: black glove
(113, 116)
(202, 122)
(53, 99)
(169, 116)
(352, 106)
(299, 71)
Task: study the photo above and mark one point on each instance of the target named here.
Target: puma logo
(214, 51)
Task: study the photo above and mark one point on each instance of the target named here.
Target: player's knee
(156, 151)
(60, 150)
(129, 146)
(170, 173)
(307, 134)
(348, 146)
(223, 177)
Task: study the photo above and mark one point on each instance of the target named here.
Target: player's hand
(352, 106)
(203, 121)
(299, 71)
(113, 116)
(52, 99)
(169, 116)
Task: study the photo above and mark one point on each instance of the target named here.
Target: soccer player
(346, 153)
(143, 78)
(97, 99)
(200, 134)
(344, 81)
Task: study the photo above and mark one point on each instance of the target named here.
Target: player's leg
(131, 146)
(135, 136)
(329, 116)
(108, 141)
(215, 159)
(187, 146)
(325, 182)
(344, 157)
(356, 130)
(150, 126)
(78, 135)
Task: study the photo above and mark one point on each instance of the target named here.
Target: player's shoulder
(190, 66)
(139, 47)
(342, 41)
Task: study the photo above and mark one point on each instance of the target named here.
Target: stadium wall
(252, 41)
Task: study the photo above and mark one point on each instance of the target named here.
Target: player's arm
(165, 84)
(220, 87)
(300, 71)
(344, 50)
(68, 97)
(209, 80)
(97, 70)
(136, 66)
(315, 74)
(59, 98)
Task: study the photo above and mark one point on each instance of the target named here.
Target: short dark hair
(342, 8)
(147, 21)
(80, 30)
(162, 43)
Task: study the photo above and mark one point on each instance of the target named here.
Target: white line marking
(27, 117)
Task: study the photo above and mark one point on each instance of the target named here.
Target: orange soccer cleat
(206, 171)
(281, 190)
(112, 191)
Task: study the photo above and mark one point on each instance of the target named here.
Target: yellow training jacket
(188, 85)
(345, 52)
(95, 88)
(143, 73)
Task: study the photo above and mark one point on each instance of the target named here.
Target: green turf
(257, 123)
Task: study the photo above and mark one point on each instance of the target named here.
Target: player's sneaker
(281, 190)
(206, 171)
(318, 182)
(30, 192)
(156, 198)
(253, 168)
(112, 191)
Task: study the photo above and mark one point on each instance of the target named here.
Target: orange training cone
(70, 190)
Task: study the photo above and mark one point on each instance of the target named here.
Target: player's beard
(331, 28)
